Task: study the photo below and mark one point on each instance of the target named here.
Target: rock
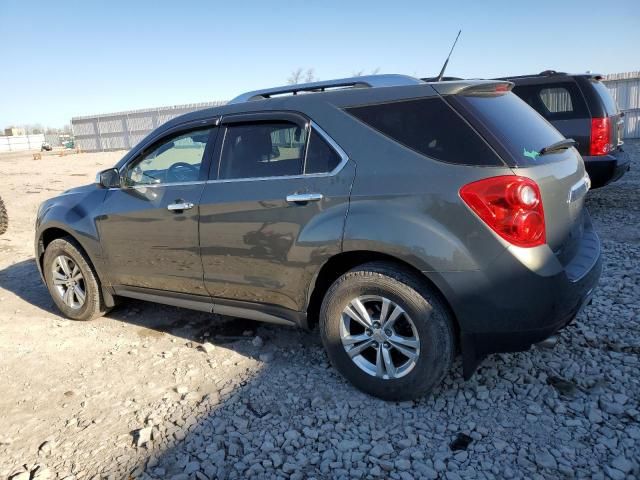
(545, 460)
(402, 464)
(182, 389)
(613, 473)
(42, 473)
(534, 409)
(142, 436)
(21, 476)
(266, 357)
(311, 433)
(594, 415)
(381, 449)
(257, 342)
(192, 467)
(207, 348)
(45, 448)
(622, 464)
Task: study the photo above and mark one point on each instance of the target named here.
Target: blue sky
(67, 58)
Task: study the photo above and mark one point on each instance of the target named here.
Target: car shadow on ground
(279, 409)
(23, 280)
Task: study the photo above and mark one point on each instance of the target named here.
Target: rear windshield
(517, 126)
(607, 99)
(430, 127)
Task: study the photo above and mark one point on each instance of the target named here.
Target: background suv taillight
(600, 136)
(511, 206)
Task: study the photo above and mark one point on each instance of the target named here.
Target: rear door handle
(178, 207)
(304, 197)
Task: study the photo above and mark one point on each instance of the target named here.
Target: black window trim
(144, 148)
(275, 116)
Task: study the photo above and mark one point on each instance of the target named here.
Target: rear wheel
(387, 332)
(72, 281)
(4, 218)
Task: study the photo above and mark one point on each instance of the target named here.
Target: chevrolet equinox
(408, 220)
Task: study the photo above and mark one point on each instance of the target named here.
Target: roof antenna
(446, 62)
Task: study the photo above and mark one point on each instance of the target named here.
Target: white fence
(17, 143)
(625, 89)
(123, 130)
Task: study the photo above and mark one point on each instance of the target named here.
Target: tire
(93, 305)
(4, 218)
(424, 317)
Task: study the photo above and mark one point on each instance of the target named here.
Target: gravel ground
(158, 392)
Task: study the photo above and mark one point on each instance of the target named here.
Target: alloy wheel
(68, 282)
(379, 337)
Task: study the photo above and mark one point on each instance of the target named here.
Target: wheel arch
(341, 263)
(54, 232)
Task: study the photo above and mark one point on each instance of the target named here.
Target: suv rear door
(519, 134)
(273, 211)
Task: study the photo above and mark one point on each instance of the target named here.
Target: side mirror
(108, 178)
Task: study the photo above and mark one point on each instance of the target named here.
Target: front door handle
(180, 206)
(304, 197)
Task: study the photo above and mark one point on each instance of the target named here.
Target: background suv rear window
(556, 101)
(430, 127)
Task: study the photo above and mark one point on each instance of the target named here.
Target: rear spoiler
(475, 87)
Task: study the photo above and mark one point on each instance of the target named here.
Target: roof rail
(369, 81)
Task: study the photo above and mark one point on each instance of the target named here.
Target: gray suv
(408, 220)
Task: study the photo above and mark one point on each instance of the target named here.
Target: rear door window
(430, 127)
(265, 149)
(518, 127)
(557, 101)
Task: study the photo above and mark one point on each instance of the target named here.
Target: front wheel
(387, 332)
(72, 281)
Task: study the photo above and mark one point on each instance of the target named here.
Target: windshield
(518, 127)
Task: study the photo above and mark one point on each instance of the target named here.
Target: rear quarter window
(608, 102)
(428, 126)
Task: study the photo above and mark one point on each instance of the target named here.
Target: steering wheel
(182, 172)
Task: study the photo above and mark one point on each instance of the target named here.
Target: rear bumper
(607, 168)
(525, 297)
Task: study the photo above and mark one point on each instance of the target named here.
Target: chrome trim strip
(157, 185)
(344, 158)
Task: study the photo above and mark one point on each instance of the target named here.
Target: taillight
(600, 136)
(511, 206)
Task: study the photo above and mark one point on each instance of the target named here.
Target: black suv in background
(580, 107)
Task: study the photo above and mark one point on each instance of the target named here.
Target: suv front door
(274, 210)
(149, 226)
